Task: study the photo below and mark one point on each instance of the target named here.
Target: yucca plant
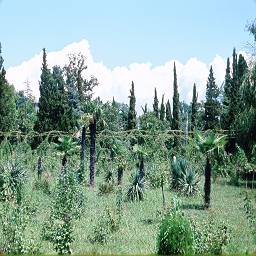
(136, 189)
(207, 145)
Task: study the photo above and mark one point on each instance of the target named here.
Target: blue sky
(122, 32)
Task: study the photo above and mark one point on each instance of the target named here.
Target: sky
(126, 40)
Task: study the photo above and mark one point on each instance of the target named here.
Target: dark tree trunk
(120, 173)
(39, 167)
(207, 184)
(92, 150)
(142, 169)
(82, 164)
(163, 196)
(64, 161)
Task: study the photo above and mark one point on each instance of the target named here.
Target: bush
(175, 235)
(66, 207)
(106, 188)
(210, 237)
(15, 221)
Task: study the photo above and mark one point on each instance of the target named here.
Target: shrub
(157, 174)
(210, 237)
(67, 207)
(16, 237)
(106, 188)
(175, 235)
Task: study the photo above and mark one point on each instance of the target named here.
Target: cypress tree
(242, 69)
(212, 105)
(162, 109)
(232, 99)
(7, 101)
(132, 113)
(44, 122)
(194, 109)
(168, 112)
(155, 105)
(176, 102)
(227, 98)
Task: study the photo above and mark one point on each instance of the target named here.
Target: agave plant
(188, 183)
(184, 177)
(136, 189)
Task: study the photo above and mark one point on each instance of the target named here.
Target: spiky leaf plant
(184, 177)
(136, 188)
(188, 183)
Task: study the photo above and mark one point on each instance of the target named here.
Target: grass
(140, 222)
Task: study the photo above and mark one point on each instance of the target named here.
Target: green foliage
(136, 188)
(7, 101)
(26, 113)
(210, 236)
(212, 105)
(184, 177)
(157, 174)
(210, 142)
(67, 207)
(176, 103)
(109, 222)
(15, 220)
(175, 235)
(194, 109)
(168, 112)
(250, 213)
(162, 109)
(12, 177)
(155, 105)
(132, 123)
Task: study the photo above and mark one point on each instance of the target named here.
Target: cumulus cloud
(117, 81)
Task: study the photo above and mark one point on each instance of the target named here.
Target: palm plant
(67, 147)
(207, 145)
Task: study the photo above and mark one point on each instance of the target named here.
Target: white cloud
(117, 81)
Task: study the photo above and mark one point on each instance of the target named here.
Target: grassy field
(140, 221)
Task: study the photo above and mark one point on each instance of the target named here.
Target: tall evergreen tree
(60, 112)
(155, 105)
(162, 109)
(7, 101)
(176, 102)
(44, 121)
(194, 109)
(242, 69)
(227, 98)
(212, 105)
(176, 108)
(132, 113)
(168, 112)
